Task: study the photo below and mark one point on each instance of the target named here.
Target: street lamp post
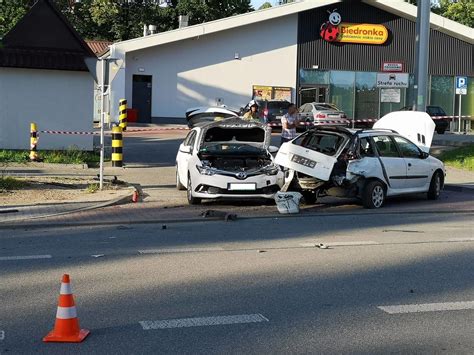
(422, 54)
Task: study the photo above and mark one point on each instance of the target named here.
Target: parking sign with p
(461, 85)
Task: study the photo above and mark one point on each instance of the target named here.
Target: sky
(257, 3)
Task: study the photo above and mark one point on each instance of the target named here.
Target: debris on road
(98, 255)
(219, 214)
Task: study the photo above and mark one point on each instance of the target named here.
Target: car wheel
(440, 131)
(435, 186)
(374, 195)
(309, 197)
(179, 185)
(191, 199)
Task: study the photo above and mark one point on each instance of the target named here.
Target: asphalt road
(279, 293)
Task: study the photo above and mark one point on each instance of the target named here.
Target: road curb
(458, 188)
(201, 219)
(121, 200)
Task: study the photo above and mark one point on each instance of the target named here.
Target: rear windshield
(320, 142)
(278, 105)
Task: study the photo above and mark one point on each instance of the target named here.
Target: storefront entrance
(317, 93)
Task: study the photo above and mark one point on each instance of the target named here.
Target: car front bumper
(218, 186)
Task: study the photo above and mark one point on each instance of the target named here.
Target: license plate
(243, 187)
(298, 159)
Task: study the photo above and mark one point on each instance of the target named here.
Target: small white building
(228, 60)
(43, 79)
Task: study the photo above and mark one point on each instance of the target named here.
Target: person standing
(252, 113)
(288, 124)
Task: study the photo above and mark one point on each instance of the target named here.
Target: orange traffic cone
(66, 329)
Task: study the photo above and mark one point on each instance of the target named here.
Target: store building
(358, 55)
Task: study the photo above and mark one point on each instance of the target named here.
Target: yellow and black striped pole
(33, 142)
(123, 114)
(117, 146)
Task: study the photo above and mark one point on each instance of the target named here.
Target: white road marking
(428, 307)
(203, 321)
(26, 257)
(461, 240)
(341, 244)
(179, 250)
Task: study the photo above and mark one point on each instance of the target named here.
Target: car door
(393, 165)
(418, 169)
(184, 154)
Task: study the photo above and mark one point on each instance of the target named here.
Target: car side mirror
(272, 149)
(186, 149)
(424, 155)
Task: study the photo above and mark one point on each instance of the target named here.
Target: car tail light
(320, 115)
(343, 115)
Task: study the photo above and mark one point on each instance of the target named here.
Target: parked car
(369, 164)
(270, 111)
(203, 115)
(314, 112)
(228, 159)
(442, 124)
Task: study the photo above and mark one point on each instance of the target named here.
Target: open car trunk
(313, 153)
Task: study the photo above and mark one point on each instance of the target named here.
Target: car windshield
(321, 142)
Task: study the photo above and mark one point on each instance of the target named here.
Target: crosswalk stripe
(203, 321)
(428, 307)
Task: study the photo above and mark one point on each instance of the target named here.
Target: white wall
(53, 99)
(195, 72)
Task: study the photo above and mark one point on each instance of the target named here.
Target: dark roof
(44, 39)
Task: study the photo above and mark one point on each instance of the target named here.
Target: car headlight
(271, 170)
(205, 170)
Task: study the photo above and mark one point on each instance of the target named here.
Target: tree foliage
(265, 5)
(124, 19)
(461, 11)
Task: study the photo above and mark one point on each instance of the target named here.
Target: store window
(341, 91)
(366, 95)
(442, 93)
(313, 77)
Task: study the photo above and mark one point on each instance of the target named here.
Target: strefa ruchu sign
(334, 30)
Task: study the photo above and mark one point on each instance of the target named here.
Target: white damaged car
(389, 160)
(228, 159)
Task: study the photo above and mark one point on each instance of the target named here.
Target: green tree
(10, 12)
(461, 11)
(265, 5)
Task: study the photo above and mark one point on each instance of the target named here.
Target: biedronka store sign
(342, 32)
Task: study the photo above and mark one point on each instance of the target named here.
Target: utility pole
(422, 51)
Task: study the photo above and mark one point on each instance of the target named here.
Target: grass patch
(69, 156)
(9, 183)
(461, 158)
(94, 187)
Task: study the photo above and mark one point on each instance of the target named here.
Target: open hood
(238, 131)
(415, 125)
(198, 116)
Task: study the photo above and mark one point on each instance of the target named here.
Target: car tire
(440, 131)
(373, 195)
(179, 185)
(309, 197)
(189, 194)
(435, 186)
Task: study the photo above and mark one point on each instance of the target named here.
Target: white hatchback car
(369, 164)
(228, 159)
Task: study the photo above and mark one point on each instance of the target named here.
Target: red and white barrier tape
(69, 132)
